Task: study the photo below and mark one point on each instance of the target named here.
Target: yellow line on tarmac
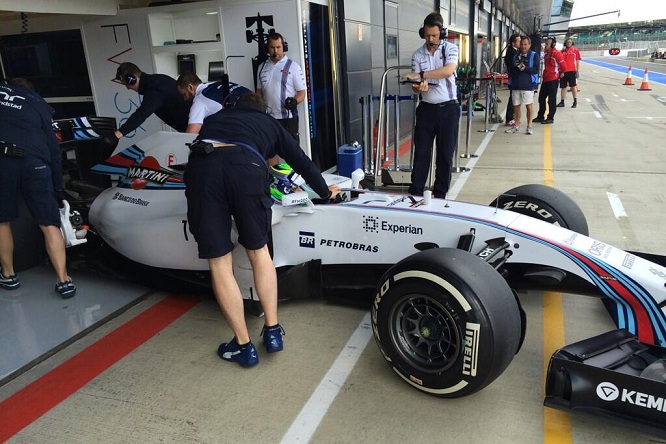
(556, 424)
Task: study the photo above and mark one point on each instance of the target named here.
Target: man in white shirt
(281, 83)
(437, 116)
(207, 98)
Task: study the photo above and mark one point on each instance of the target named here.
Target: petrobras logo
(607, 391)
(306, 239)
(373, 224)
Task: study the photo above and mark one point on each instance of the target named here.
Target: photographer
(523, 81)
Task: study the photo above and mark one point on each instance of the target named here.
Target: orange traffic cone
(629, 80)
(645, 86)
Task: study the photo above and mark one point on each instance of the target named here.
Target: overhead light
(212, 13)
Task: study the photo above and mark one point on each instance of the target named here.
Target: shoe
(246, 356)
(513, 129)
(547, 121)
(9, 282)
(529, 131)
(272, 338)
(538, 120)
(561, 104)
(510, 123)
(575, 104)
(66, 289)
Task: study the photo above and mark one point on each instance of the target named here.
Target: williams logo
(306, 239)
(372, 224)
(607, 391)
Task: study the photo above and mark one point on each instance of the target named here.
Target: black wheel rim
(424, 333)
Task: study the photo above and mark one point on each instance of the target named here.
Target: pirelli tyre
(446, 321)
(546, 203)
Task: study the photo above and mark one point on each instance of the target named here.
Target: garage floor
(151, 374)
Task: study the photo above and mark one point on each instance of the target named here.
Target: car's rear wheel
(446, 322)
(545, 203)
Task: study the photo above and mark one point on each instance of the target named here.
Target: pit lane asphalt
(173, 388)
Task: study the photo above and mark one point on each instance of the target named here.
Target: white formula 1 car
(440, 277)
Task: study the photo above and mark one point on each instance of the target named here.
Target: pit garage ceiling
(85, 7)
(521, 11)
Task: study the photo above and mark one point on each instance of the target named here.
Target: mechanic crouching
(227, 175)
(30, 163)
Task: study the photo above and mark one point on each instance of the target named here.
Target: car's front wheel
(545, 203)
(446, 322)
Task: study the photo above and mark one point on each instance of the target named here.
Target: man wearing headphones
(553, 69)
(438, 114)
(281, 83)
(160, 97)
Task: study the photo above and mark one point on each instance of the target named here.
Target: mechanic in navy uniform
(438, 114)
(227, 175)
(160, 97)
(30, 164)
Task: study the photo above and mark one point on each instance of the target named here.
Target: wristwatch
(422, 75)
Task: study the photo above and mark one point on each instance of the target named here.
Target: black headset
(442, 29)
(129, 79)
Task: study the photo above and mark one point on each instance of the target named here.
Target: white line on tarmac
(460, 181)
(314, 410)
(598, 115)
(616, 205)
(312, 413)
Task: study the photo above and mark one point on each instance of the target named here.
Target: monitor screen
(54, 62)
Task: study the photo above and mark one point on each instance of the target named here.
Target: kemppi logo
(608, 391)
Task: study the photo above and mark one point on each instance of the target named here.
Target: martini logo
(147, 171)
(608, 391)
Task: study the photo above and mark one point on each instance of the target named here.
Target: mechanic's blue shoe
(9, 282)
(272, 337)
(246, 355)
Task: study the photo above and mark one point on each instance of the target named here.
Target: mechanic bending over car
(30, 163)
(160, 97)
(227, 175)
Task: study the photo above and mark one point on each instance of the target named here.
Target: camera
(520, 61)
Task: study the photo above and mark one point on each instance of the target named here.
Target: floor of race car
(122, 363)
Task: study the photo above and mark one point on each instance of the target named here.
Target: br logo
(608, 391)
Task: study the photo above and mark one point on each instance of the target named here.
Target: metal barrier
(367, 119)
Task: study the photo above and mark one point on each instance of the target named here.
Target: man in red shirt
(553, 69)
(572, 63)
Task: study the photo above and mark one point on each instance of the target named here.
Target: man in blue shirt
(438, 114)
(30, 164)
(523, 81)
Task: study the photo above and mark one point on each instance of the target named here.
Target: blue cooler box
(350, 158)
